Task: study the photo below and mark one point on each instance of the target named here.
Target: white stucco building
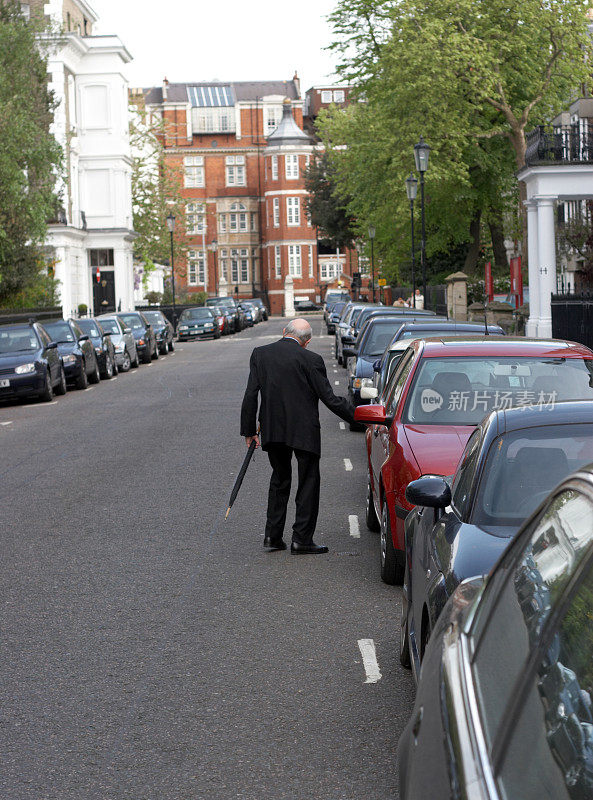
(92, 239)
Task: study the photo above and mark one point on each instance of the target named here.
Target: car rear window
(89, 327)
(59, 331)
(110, 326)
(461, 391)
(132, 321)
(18, 340)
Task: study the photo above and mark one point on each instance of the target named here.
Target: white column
(546, 249)
(62, 274)
(533, 268)
(289, 297)
(223, 287)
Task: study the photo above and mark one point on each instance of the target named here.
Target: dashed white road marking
(6, 423)
(89, 389)
(354, 526)
(369, 659)
(335, 370)
(347, 465)
(44, 405)
(337, 383)
(342, 426)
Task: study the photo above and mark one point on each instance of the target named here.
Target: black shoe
(308, 549)
(274, 544)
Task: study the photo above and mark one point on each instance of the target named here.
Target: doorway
(104, 293)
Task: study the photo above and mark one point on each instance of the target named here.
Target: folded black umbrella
(240, 476)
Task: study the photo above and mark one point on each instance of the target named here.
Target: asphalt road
(150, 651)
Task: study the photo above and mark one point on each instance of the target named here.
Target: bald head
(299, 329)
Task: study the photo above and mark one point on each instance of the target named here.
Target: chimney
(297, 83)
(165, 89)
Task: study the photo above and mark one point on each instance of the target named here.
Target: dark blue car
(76, 351)
(30, 365)
(510, 464)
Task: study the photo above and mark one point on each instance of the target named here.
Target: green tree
(30, 158)
(325, 207)
(472, 77)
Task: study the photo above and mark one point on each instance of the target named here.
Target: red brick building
(243, 152)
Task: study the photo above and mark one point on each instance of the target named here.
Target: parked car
(256, 310)
(30, 364)
(350, 337)
(440, 392)
(345, 323)
(126, 354)
(332, 317)
(302, 306)
(339, 296)
(511, 462)
(260, 304)
(146, 343)
(503, 707)
(197, 323)
(229, 303)
(76, 351)
(163, 330)
(104, 347)
(222, 320)
(249, 313)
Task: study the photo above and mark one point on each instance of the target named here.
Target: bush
(154, 298)
(82, 309)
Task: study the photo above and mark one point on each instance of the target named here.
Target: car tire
(62, 387)
(108, 372)
(392, 571)
(155, 355)
(95, 376)
(136, 362)
(146, 357)
(126, 362)
(217, 335)
(339, 358)
(404, 635)
(47, 395)
(163, 350)
(82, 381)
(171, 346)
(371, 519)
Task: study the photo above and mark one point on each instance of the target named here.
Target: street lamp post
(214, 245)
(411, 191)
(171, 227)
(421, 153)
(372, 238)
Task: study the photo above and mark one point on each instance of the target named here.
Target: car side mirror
(84, 338)
(369, 393)
(127, 330)
(377, 365)
(429, 490)
(372, 415)
(52, 346)
(106, 334)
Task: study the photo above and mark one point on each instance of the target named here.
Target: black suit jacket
(291, 380)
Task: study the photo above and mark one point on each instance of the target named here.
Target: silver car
(123, 340)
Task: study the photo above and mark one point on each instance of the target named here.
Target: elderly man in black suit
(291, 381)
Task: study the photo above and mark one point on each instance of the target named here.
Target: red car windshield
(461, 391)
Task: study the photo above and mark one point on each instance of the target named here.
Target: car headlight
(70, 359)
(98, 350)
(25, 369)
(366, 382)
(208, 325)
(183, 327)
(119, 348)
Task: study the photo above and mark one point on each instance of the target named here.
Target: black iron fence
(572, 317)
(9, 316)
(558, 145)
(436, 300)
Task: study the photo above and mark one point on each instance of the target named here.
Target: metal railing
(559, 145)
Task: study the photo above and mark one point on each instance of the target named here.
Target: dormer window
(326, 96)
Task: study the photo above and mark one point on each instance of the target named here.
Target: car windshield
(132, 321)
(425, 333)
(18, 340)
(522, 468)
(377, 337)
(196, 313)
(89, 327)
(110, 326)
(59, 331)
(462, 390)
(155, 317)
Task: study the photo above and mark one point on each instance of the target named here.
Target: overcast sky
(196, 40)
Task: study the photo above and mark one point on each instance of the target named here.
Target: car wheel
(371, 518)
(163, 349)
(95, 376)
(82, 381)
(136, 361)
(126, 362)
(62, 388)
(171, 346)
(404, 636)
(217, 335)
(339, 359)
(146, 357)
(47, 395)
(391, 564)
(108, 373)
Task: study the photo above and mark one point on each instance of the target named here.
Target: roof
(288, 132)
(488, 346)
(220, 93)
(561, 413)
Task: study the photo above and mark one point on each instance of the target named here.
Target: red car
(442, 388)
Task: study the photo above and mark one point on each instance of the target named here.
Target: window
(339, 96)
(272, 117)
(328, 269)
(101, 258)
(276, 207)
(294, 260)
(193, 171)
(213, 120)
(222, 223)
(466, 472)
(291, 166)
(326, 96)
(224, 264)
(196, 268)
(278, 261)
(400, 378)
(195, 219)
(293, 211)
(274, 168)
(310, 260)
(235, 170)
(238, 218)
(240, 265)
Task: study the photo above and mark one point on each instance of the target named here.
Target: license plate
(4, 384)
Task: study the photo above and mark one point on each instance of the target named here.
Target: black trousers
(307, 497)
